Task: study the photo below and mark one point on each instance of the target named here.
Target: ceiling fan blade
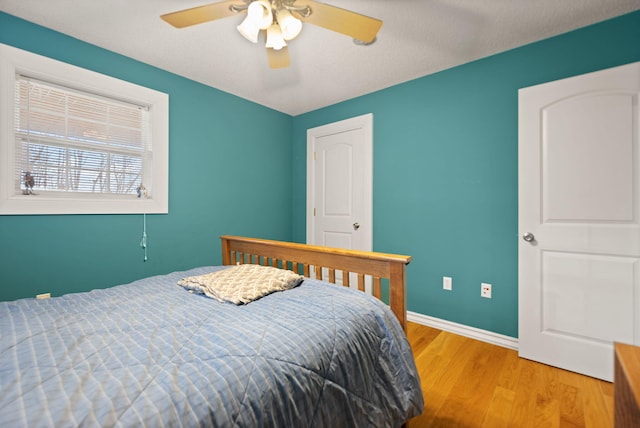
(200, 14)
(343, 21)
(278, 58)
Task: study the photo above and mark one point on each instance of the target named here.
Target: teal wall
(445, 168)
(445, 176)
(225, 178)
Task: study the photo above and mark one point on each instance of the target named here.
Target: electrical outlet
(446, 283)
(485, 290)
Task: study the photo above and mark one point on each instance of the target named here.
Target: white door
(340, 184)
(579, 200)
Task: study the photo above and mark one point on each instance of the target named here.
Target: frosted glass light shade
(289, 25)
(274, 38)
(259, 17)
(260, 11)
(249, 30)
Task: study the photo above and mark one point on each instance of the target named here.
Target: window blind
(73, 143)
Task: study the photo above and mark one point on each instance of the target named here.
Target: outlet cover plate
(485, 290)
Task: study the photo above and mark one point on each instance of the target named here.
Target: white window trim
(12, 61)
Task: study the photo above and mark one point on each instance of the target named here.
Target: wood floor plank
(547, 413)
(510, 371)
(499, 411)
(478, 382)
(468, 383)
(571, 409)
(524, 404)
(439, 381)
(595, 407)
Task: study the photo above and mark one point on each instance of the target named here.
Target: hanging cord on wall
(143, 241)
(142, 192)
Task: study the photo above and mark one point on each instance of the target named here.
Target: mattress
(150, 353)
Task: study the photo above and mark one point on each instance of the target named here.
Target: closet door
(579, 244)
(340, 184)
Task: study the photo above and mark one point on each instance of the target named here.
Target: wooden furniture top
(627, 386)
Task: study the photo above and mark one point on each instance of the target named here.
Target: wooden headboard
(302, 257)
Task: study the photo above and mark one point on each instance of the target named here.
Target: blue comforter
(151, 354)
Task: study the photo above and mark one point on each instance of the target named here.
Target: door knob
(356, 226)
(528, 237)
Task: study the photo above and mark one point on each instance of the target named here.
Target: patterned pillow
(242, 284)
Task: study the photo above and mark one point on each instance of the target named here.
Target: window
(76, 141)
(69, 141)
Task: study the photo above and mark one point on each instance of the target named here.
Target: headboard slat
(374, 264)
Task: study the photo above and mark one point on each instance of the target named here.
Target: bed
(153, 353)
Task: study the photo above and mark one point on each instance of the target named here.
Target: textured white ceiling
(418, 37)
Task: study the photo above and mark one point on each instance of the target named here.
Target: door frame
(364, 122)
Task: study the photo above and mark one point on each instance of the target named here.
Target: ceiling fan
(280, 21)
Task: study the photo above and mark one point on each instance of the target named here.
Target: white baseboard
(464, 330)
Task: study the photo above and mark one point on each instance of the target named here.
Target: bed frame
(306, 259)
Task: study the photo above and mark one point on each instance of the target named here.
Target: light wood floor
(468, 383)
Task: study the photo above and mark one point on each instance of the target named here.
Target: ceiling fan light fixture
(259, 17)
(290, 25)
(274, 38)
(281, 21)
(260, 12)
(249, 30)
